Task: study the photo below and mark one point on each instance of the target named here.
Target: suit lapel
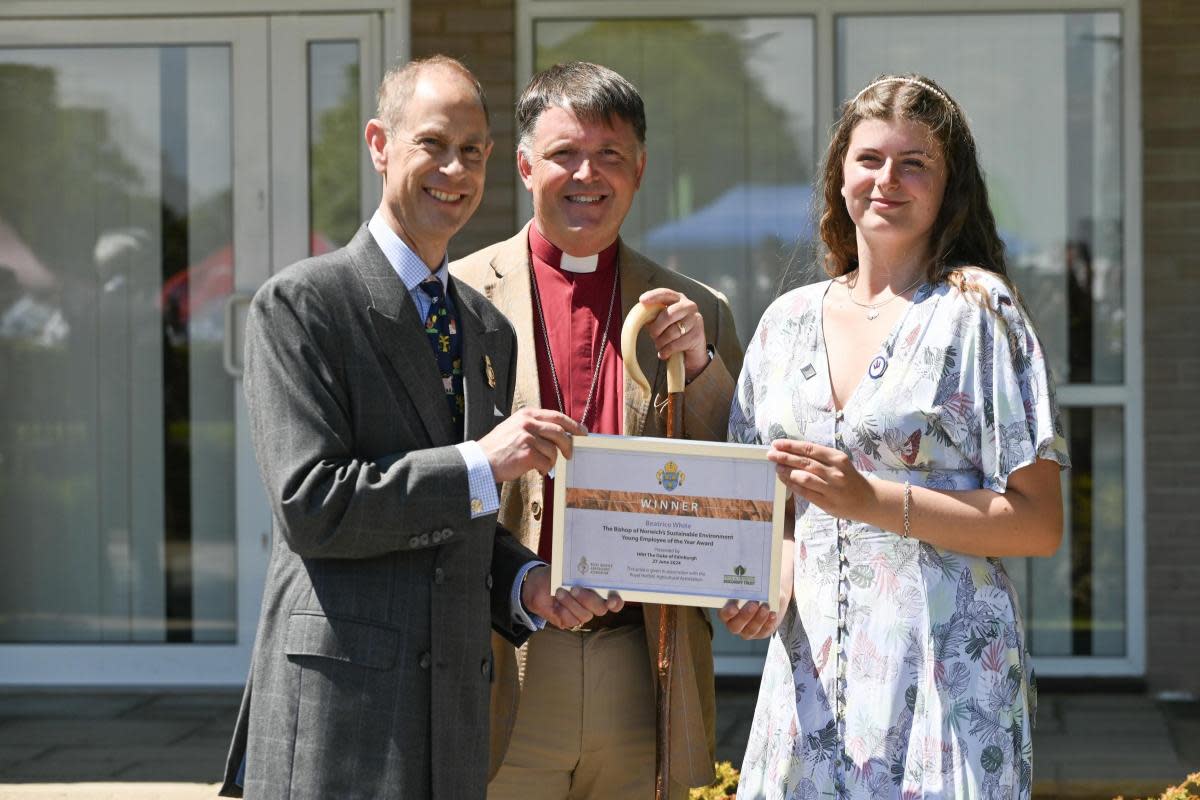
(402, 339)
(636, 280)
(506, 284)
(510, 291)
(478, 346)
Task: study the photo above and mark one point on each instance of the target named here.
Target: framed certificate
(668, 521)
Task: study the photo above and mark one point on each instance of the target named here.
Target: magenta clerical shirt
(576, 305)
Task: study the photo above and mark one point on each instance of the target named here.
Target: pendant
(873, 313)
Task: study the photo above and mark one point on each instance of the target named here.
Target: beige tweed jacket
(502, 273)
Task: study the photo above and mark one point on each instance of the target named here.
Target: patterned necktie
(442, 330)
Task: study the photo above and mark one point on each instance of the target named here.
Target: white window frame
(1128, 396)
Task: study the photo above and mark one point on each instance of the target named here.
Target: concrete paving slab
(1047, 721)
(99, 732)
(1086, 747)
(53, 770)
(1183, 721)
(1100, 700)
(1091, 790)
(11, 755)
(199, 706)
(110, 791)
(1121, 748)
(1121, 774)
(213, 733)
(731, 743)
(208, 698)
(1187, 744)
(152, 770)
(1145, 721)
(214, 739)
(68, 704)
(735, 713)
(131, 755)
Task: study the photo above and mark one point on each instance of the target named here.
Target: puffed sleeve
(1013, 392)
(742, 426)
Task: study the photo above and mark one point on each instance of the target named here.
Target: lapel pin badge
(491, 373)
(807, 371)
(878, 366)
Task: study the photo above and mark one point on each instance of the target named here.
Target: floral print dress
(900, 670)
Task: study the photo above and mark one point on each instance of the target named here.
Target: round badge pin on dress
(878, 367)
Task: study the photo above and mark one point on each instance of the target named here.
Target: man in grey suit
(377, 388)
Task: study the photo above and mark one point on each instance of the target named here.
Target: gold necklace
(873, 308)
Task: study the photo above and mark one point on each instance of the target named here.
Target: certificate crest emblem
(669, 477)
(583, 565)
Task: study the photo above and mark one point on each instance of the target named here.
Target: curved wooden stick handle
(639, 315)
(668, 620)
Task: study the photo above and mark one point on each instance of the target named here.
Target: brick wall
(1171, 266)
(480, 34)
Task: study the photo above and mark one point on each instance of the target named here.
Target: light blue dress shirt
(482, 484)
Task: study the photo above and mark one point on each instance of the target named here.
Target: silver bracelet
(907, 507)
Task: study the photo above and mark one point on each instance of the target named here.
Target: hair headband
(913, 81)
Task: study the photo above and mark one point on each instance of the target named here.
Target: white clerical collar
(571, 263)
(552, 255)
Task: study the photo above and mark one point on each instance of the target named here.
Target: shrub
(724, 787)
(1188, 790)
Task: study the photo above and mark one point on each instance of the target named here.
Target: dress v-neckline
(890, 338)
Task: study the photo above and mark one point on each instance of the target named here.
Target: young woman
(910, 414)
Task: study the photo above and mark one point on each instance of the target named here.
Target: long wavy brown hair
(964, 233)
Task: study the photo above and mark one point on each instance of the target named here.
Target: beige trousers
(585, 722)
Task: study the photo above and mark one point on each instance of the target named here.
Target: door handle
(231, 351)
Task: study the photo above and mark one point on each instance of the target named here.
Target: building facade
(161, 160)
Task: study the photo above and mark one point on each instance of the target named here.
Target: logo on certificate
(740, 577)
(669, 477)
(595, 568)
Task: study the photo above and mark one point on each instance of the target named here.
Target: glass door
(134, 207)
(136, 220)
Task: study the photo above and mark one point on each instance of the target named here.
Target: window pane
(1052, 157)
(116, 414)
(335, 136)
(1074, 602)
(729, 109)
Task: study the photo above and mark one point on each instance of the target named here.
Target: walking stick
(668, 619)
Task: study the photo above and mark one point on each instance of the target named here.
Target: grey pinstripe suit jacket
(371, 668)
